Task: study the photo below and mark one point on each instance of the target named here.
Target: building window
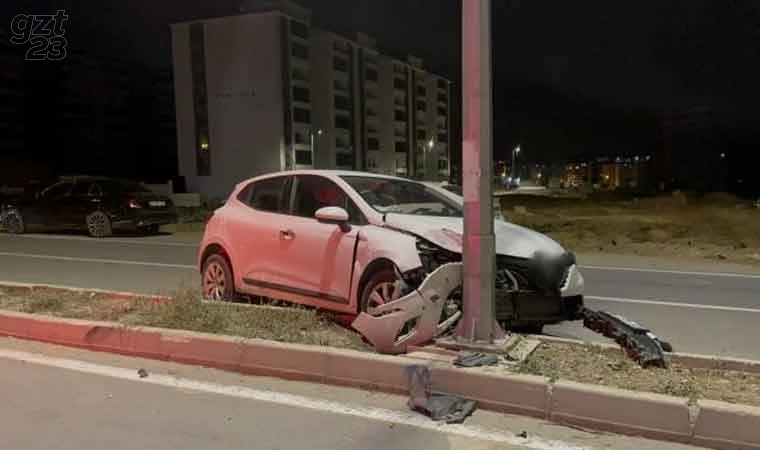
(442, 97)
(421, 135)
(303, 157)
(200, 99)
(421, 105)
(300, 138)
(371, 163)
(340, 64)
(339, 85)
(342, 122)
(399, 83)
(371, 112)
(300, 74)
(341, 102)
(300, 50)
(301, 115)
(442, 137)
(442, 84)
(299, 29)
(373, 144)
(399, 68)
(344, 159)
(340, 143)
(401, 147)
(421, 91)
(442, 110)
(301, 94)
(399, 116)
(371, 74)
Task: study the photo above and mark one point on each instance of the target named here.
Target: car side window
(81, 188)
(58, 190)
(268, 195)
(314, 192)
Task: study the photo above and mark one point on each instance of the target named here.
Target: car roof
(326, 173)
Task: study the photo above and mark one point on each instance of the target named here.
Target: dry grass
(591, 364)
(185, 311)
(716, 228)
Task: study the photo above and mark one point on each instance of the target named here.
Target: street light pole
(514, 161)
(477, 322)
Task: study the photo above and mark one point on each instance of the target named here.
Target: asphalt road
(70, 399)
(700, 308)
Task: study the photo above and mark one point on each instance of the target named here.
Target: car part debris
(142, 373)
(639, 343)
(476, 360)
(422, 306)
(439, 407)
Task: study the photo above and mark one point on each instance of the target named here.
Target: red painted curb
(596, 407)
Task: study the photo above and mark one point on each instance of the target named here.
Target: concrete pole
(477, 323)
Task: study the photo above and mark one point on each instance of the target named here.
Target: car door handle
(287, 234)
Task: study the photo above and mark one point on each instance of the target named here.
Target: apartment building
(264, 91)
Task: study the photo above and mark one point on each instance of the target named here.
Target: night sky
(561, 68)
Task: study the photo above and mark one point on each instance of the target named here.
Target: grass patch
(713, 228)
(557, 361)
(609, 367)
(185, 311)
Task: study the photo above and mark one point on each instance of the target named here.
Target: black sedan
(98, 205)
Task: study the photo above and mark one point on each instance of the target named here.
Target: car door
(78, 204)
(50, 204)
(253, 229)
(316, 259)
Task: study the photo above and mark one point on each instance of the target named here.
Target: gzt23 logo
(44, 33)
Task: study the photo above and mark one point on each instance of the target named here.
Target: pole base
(464, 333)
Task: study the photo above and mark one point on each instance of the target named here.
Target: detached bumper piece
(639, 343)
(439, 407)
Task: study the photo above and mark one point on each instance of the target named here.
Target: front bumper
(527, 306)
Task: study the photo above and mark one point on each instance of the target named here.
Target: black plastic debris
(476, 360)
(639, 343)
(143, 373)
(439, 407)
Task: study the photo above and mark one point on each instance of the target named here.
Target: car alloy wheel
(13, 222)
(217, 279)
(98, 224)
(382, 291)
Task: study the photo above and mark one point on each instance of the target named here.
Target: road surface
(706, 308)
(70, 399)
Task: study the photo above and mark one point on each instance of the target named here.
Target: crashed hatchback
(350, 242)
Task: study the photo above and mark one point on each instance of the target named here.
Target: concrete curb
(112, 294)
(690, 360)
(716, 424)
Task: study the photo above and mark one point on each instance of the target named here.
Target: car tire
(376, 281)
(13, 222)
(150, 230)
(217, 281)
(98, 224)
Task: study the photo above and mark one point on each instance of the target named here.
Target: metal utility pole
(477, 323)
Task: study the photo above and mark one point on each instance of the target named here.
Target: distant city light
(722, 155)
(204, 146)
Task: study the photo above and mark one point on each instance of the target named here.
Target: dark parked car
(99, 205)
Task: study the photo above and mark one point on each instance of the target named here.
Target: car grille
(547, 275)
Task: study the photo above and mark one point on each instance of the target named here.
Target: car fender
(376, 243)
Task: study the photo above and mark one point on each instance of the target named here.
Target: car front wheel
(380, 289)
(218, 283)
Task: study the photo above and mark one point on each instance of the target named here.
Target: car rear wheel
(218, 283)
(98, 224)
(13, 222)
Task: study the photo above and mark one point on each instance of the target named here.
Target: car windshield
(388, 195)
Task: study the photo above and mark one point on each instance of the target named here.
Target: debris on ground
(519, 348)
(476, 360)
(143, 373)
(439, 407)
(523, 434)
(639, 343)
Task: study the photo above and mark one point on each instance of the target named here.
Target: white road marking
(673, 304)
(673, 272)
(135, 241)
(98, 260)
(292, 400)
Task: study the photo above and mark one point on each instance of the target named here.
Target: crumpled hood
(446, 232)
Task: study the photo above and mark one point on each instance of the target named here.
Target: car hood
(446, 232)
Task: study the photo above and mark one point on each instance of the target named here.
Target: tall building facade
(264, 91)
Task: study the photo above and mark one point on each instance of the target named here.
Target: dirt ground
(591, 364)
(706, 228)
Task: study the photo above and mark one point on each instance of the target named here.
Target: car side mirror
(334, 215)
